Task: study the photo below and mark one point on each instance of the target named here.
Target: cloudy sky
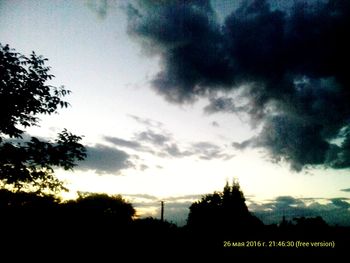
(174, 99)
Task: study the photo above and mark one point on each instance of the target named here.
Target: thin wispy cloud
(123, 143)
(167, 147)
(215, 124)
(150, 123)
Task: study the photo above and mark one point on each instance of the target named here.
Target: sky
(175, 99)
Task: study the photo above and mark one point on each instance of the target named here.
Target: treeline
(218, 223)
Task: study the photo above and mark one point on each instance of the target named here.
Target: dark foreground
(52, 237)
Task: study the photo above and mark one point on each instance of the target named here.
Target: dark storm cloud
(220, 104)
(290, 139)
(105, 160)
(189, 41)
(290, 63)
(345, 190)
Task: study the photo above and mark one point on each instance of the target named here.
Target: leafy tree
(94, 205)
(13, 201)
(24, 94)
(224, 211)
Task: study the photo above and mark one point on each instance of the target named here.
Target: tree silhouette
(24, 94)
(26, 201)
(222, 211)
(102, 206)
(311, 223)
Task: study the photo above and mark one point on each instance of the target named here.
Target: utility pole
(162, 211)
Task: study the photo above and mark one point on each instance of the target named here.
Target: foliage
(95, 205)
(24, 94)
(222, 210)
(22, 200)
